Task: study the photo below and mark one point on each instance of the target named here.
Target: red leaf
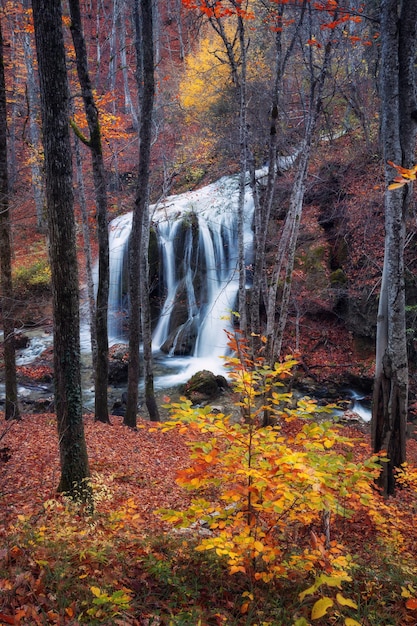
(411, 604)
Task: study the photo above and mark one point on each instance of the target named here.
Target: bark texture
(398, 134)
(62, 245)
(101, 363)
(7, 298)
(138, 251)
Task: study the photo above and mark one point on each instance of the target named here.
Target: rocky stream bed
(35, 384)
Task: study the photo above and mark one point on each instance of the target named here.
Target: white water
(209, 260)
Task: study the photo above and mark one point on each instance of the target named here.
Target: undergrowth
(285, 528)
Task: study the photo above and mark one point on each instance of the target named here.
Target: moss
(338, 278)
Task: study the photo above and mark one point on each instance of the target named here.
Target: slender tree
(55, 99)
(398, 135)
(263, 205)
(138, 243)
(32, 98)
(101, 359)
(7, 299)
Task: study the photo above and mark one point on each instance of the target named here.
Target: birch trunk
(398, 134)
(38, 182)
(284, 262)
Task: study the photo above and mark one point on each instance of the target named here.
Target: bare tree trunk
(398, 133)
(138, 247)
(150, 400)
(125, 68)
(87, 253)
(113, 56)
(288, 239)
(243, 140)
(7, 298)
(263, 207)
(296, 208)
(38, 182)
(14, 113)
(55, 100)
(101, 410)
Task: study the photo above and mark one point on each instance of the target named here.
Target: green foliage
(106, 606)
(33, 277)
(338, 278)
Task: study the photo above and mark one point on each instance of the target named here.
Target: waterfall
(193, 270)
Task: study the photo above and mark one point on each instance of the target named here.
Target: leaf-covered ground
(140, 464)
(137, 471)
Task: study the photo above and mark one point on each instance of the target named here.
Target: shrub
(34, 278)
(268, 494)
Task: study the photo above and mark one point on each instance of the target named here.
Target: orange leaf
(244, 608)
(411, 604)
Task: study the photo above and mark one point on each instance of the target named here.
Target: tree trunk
(62, 246)
(7, 298)
(150, 400)
(288, 239)
(87, 253)
(140, 217)
(38, 182)
(263, 206)
(243, 141)
(398, 134)
(101, 410)
(129, 108)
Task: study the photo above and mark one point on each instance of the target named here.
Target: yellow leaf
(345, 601)
(247, 594)
(406, 593)
(351, 622)
(307, 592)
(397, 185)
(321, 607)
(96, 591)
(259, 546)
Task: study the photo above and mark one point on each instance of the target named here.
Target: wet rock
(42, 405)
(181, 341)
(119, 406)
(118, 364)
(204, 386)
(21, 341)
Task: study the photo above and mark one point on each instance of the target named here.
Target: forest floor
(124, 565)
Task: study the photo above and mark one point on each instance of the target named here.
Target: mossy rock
(204, 386)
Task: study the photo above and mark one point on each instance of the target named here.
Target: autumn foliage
(277, 524)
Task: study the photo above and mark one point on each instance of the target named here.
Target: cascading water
(194, 273)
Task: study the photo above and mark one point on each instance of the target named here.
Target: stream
(170, 372)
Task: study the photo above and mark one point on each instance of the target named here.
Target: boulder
(118, 364)
(181, 341)
(204, 386)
